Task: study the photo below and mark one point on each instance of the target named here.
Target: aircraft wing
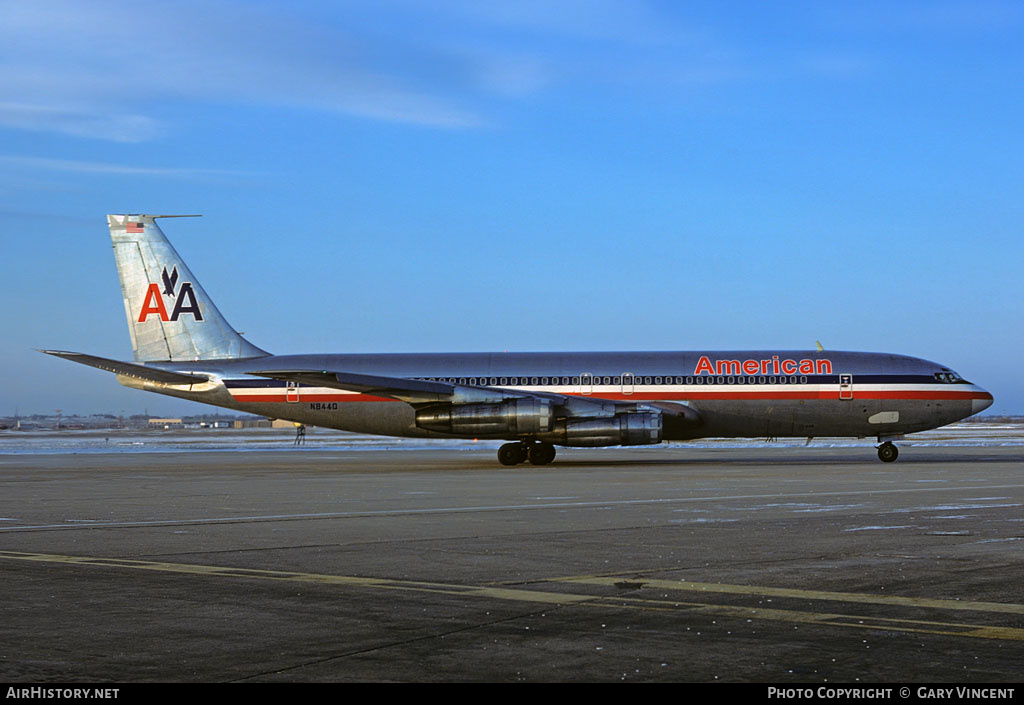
(128, 369)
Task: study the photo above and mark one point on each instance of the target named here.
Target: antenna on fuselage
(820, 347)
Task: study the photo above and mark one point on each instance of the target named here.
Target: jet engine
(629, 429)
(515, 417)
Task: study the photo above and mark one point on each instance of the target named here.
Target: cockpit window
(948, 377)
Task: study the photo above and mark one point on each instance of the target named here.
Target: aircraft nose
(981, 401)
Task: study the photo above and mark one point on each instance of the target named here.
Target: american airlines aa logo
(184, 299)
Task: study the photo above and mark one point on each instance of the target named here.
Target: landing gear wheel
(887, 452)
(541, 453)
(512, 454)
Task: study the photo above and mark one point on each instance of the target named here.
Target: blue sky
(391, 175)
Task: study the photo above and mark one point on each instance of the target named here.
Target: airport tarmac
(777, 565)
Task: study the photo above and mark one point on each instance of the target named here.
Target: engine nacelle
(630, 429)
(515, 417)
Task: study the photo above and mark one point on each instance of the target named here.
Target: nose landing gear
(887, 452)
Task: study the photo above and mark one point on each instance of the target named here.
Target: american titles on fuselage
(768, 366)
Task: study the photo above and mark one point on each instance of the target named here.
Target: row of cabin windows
(622, 379)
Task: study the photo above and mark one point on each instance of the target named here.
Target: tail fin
(170, 317)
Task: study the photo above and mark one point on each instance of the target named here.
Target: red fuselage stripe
(663, 396)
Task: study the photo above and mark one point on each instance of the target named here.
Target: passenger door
(627, 383)
(846, 386)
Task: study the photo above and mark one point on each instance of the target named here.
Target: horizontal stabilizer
(150, 374)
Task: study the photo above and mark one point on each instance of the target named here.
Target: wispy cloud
(86, 167)
(104, 69)
(80, 122)
(111, 69)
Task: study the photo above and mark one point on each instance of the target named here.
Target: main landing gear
(887, 452)
(536, 453)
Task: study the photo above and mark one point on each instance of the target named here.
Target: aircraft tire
(888, 453)
(541, 453)
(511, 454)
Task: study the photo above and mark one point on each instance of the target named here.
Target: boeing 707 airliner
(185, 348)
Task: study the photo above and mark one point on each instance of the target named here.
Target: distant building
(253, 423)
(265, 423)
(165, 423)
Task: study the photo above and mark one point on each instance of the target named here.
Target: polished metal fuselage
(757, 394)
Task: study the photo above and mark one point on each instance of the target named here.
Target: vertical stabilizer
(170, 317)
